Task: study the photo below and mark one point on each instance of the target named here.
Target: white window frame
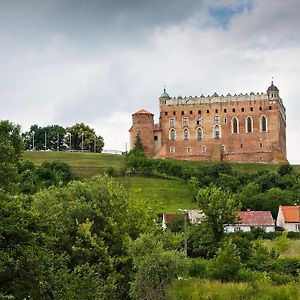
(170, 134)
(203, 149)
(172, 149)
(260, 123)
(252, 125)
(184, 137)
(216, 120)
(214, 131)
(199, 120)
(172, 122)
(188, 150)
(185, 121)
(237, 125)
(199, 129)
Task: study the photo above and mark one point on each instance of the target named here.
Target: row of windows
(199, 121)
(203, 148)
(217, 129)
(199, 133)
(216, 111)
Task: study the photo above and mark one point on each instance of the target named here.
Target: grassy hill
(82, 164)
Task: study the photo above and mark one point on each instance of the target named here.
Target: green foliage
(155, 268)
(282, 244)
(195, 289)
(226, 264)
(82, 137)
(138, 144)
(219, 208)
(285, 169)
(11, 147)
(42, 138)
(94, 222)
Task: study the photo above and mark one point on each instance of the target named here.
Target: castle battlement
(215, 98)
(238, 128)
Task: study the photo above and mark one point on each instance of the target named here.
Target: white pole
(82, 142)
(45, 140)
(33, 140)
(58, 141)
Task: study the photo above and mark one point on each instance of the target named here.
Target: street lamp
(70, 147)
(33, 140)
(185, 233)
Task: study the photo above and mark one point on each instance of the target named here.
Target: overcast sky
(98, 61)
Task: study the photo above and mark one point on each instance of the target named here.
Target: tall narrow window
(186, 134)
(199, 134)
(249, 125)
(172, 122)
(172, 149)
(217, 132)
(263, 124)
(234, 125)
(172, 134)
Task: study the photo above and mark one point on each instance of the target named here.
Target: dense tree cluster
(78, 137)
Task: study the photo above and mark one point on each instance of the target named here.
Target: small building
(249, 220)
(288, 217)
(193, 216)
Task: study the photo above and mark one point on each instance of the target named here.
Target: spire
(165, 94)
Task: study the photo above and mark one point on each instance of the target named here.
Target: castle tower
(143, 125)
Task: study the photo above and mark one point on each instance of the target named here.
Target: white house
(288, 217)
(252, 219)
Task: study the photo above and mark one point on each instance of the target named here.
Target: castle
(233, 128)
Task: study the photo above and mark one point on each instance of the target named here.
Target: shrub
(197, 267)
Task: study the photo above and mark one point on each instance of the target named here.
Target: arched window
(249, 124)
(217, 132)
(263, 124)
(186, 134)
(199, 134)
(172, 134)
(234, 125)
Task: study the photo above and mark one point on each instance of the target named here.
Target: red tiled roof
(290, 213)
(142, 112)
(169, 218)
(256, 218)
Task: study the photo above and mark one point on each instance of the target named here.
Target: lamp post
(45, 140)
(70, 146)
(58, 141)
(185, 233)
(82, 142)
(33, 140)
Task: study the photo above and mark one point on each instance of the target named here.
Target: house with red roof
(288, 217)
(247, 220)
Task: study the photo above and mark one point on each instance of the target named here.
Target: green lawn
(82, 164)
(163, 195)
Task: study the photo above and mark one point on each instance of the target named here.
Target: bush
(197, 267)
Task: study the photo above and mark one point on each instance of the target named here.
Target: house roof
(256, 218)
(290, 213)
(169, 218)
(142, 112)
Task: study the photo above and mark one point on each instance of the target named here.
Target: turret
(164, 97)
(273, 92)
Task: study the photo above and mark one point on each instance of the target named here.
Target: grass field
(89, 164)
(163, 195)
(82, 164)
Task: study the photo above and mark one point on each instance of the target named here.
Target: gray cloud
(98, 62)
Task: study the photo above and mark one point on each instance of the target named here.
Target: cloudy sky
(98, 61)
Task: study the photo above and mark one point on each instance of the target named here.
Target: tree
(82, 137)
(138, 144)
(93, 223)
(219, 208)
(11, 147)
(155, 268)
(226, 263)
(51, 137)
(285, 169)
